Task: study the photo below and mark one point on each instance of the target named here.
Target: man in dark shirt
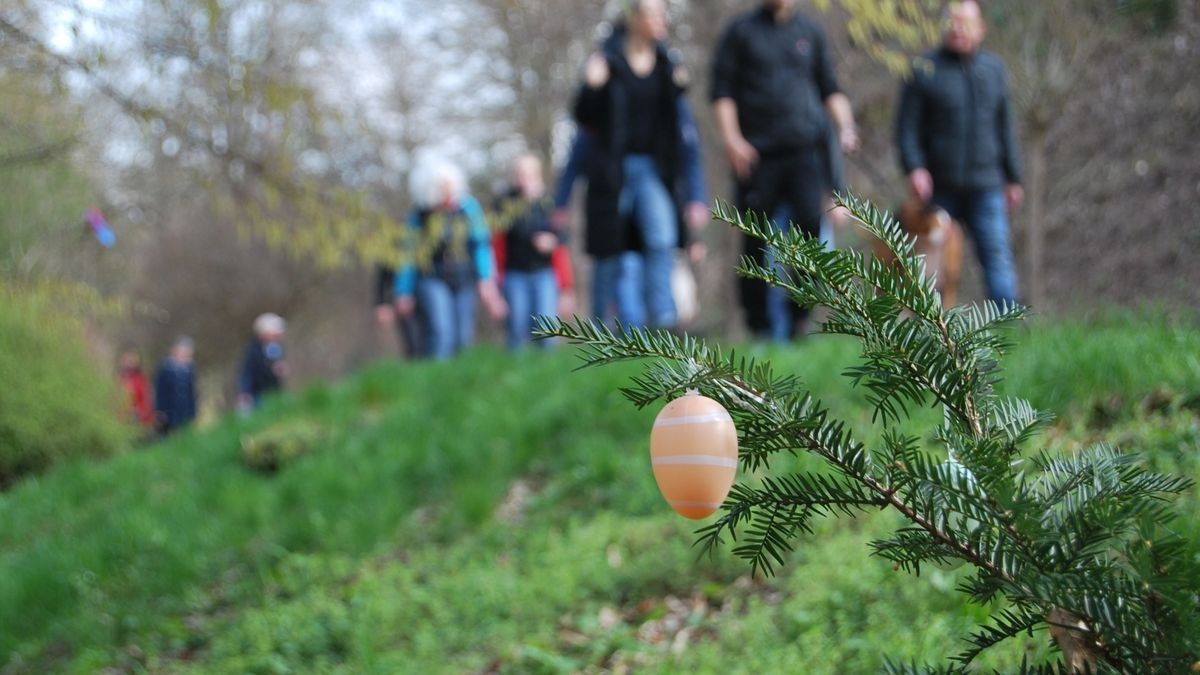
(774, 92)
(955, 134)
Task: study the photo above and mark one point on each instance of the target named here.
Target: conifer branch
(1079, 544)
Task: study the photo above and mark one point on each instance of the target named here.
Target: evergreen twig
(1077, 544)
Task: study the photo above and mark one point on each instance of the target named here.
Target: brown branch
(38, 154)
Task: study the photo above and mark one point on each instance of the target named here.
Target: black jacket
(175, 394)
(605, 113)
(385, 285)
(779, 76)
(258, 369)
(522, 220)
(955, 120)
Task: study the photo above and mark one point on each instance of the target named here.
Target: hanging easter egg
(693, 451)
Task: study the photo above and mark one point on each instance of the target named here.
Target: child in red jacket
(137, 390)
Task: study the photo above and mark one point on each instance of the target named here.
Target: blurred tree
(234, 87)
(44, 196)
(1051, 47)
(1156, 15)
(538, 49)
(1049, 44)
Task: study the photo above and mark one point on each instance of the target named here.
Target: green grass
(498, 513)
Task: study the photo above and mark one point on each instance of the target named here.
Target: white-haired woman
(263, 368)
(449, 261)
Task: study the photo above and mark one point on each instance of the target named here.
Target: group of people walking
(784, 122)
(171, 404)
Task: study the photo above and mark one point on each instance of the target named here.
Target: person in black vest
(629, 105)
(263, 368)
(774, 92)
(525, 242)
(957, 145)
(175, 387)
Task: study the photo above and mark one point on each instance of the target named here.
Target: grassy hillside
(498, 514)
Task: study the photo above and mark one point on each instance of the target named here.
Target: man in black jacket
(955, 134)
(773, 93)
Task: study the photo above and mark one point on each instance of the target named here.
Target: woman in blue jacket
(449, 261)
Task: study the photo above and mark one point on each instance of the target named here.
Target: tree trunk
(1035, 234)
(1075, 639)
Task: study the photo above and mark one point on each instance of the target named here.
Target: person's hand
(742, 157)
(849, 140)
(567, 303)
(385, 315)
(920, 183)
(839, 216)
(406, 305)
(245, 403)
(493, 301)
(697, 215)
(560, 219)
(697, 252)
(595, 71)
(1014, 196)
(280, 368)
(545, 242)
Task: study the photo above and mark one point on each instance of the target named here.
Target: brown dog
(939, 239)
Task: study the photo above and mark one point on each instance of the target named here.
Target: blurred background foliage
(252, 155)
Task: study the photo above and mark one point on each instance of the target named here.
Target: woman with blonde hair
(629, 105)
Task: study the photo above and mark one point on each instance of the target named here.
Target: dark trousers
(795, 183)
(410, 330)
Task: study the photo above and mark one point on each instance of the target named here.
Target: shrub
(56, 403)
(272, 449)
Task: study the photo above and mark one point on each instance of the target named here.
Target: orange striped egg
(693, 451)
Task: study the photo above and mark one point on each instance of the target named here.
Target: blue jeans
(780, 308)
(618, 279)
(649, 203)
(449, 316)
(528, 294)
(984, 215)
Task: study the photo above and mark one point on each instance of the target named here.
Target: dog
(939, 239)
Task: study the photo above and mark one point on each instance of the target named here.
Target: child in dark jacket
(263, 368)
(525, 246)
(175, 387)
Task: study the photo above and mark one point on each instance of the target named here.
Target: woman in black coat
(629, 103)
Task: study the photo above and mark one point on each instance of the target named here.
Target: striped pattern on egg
(693, 451)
